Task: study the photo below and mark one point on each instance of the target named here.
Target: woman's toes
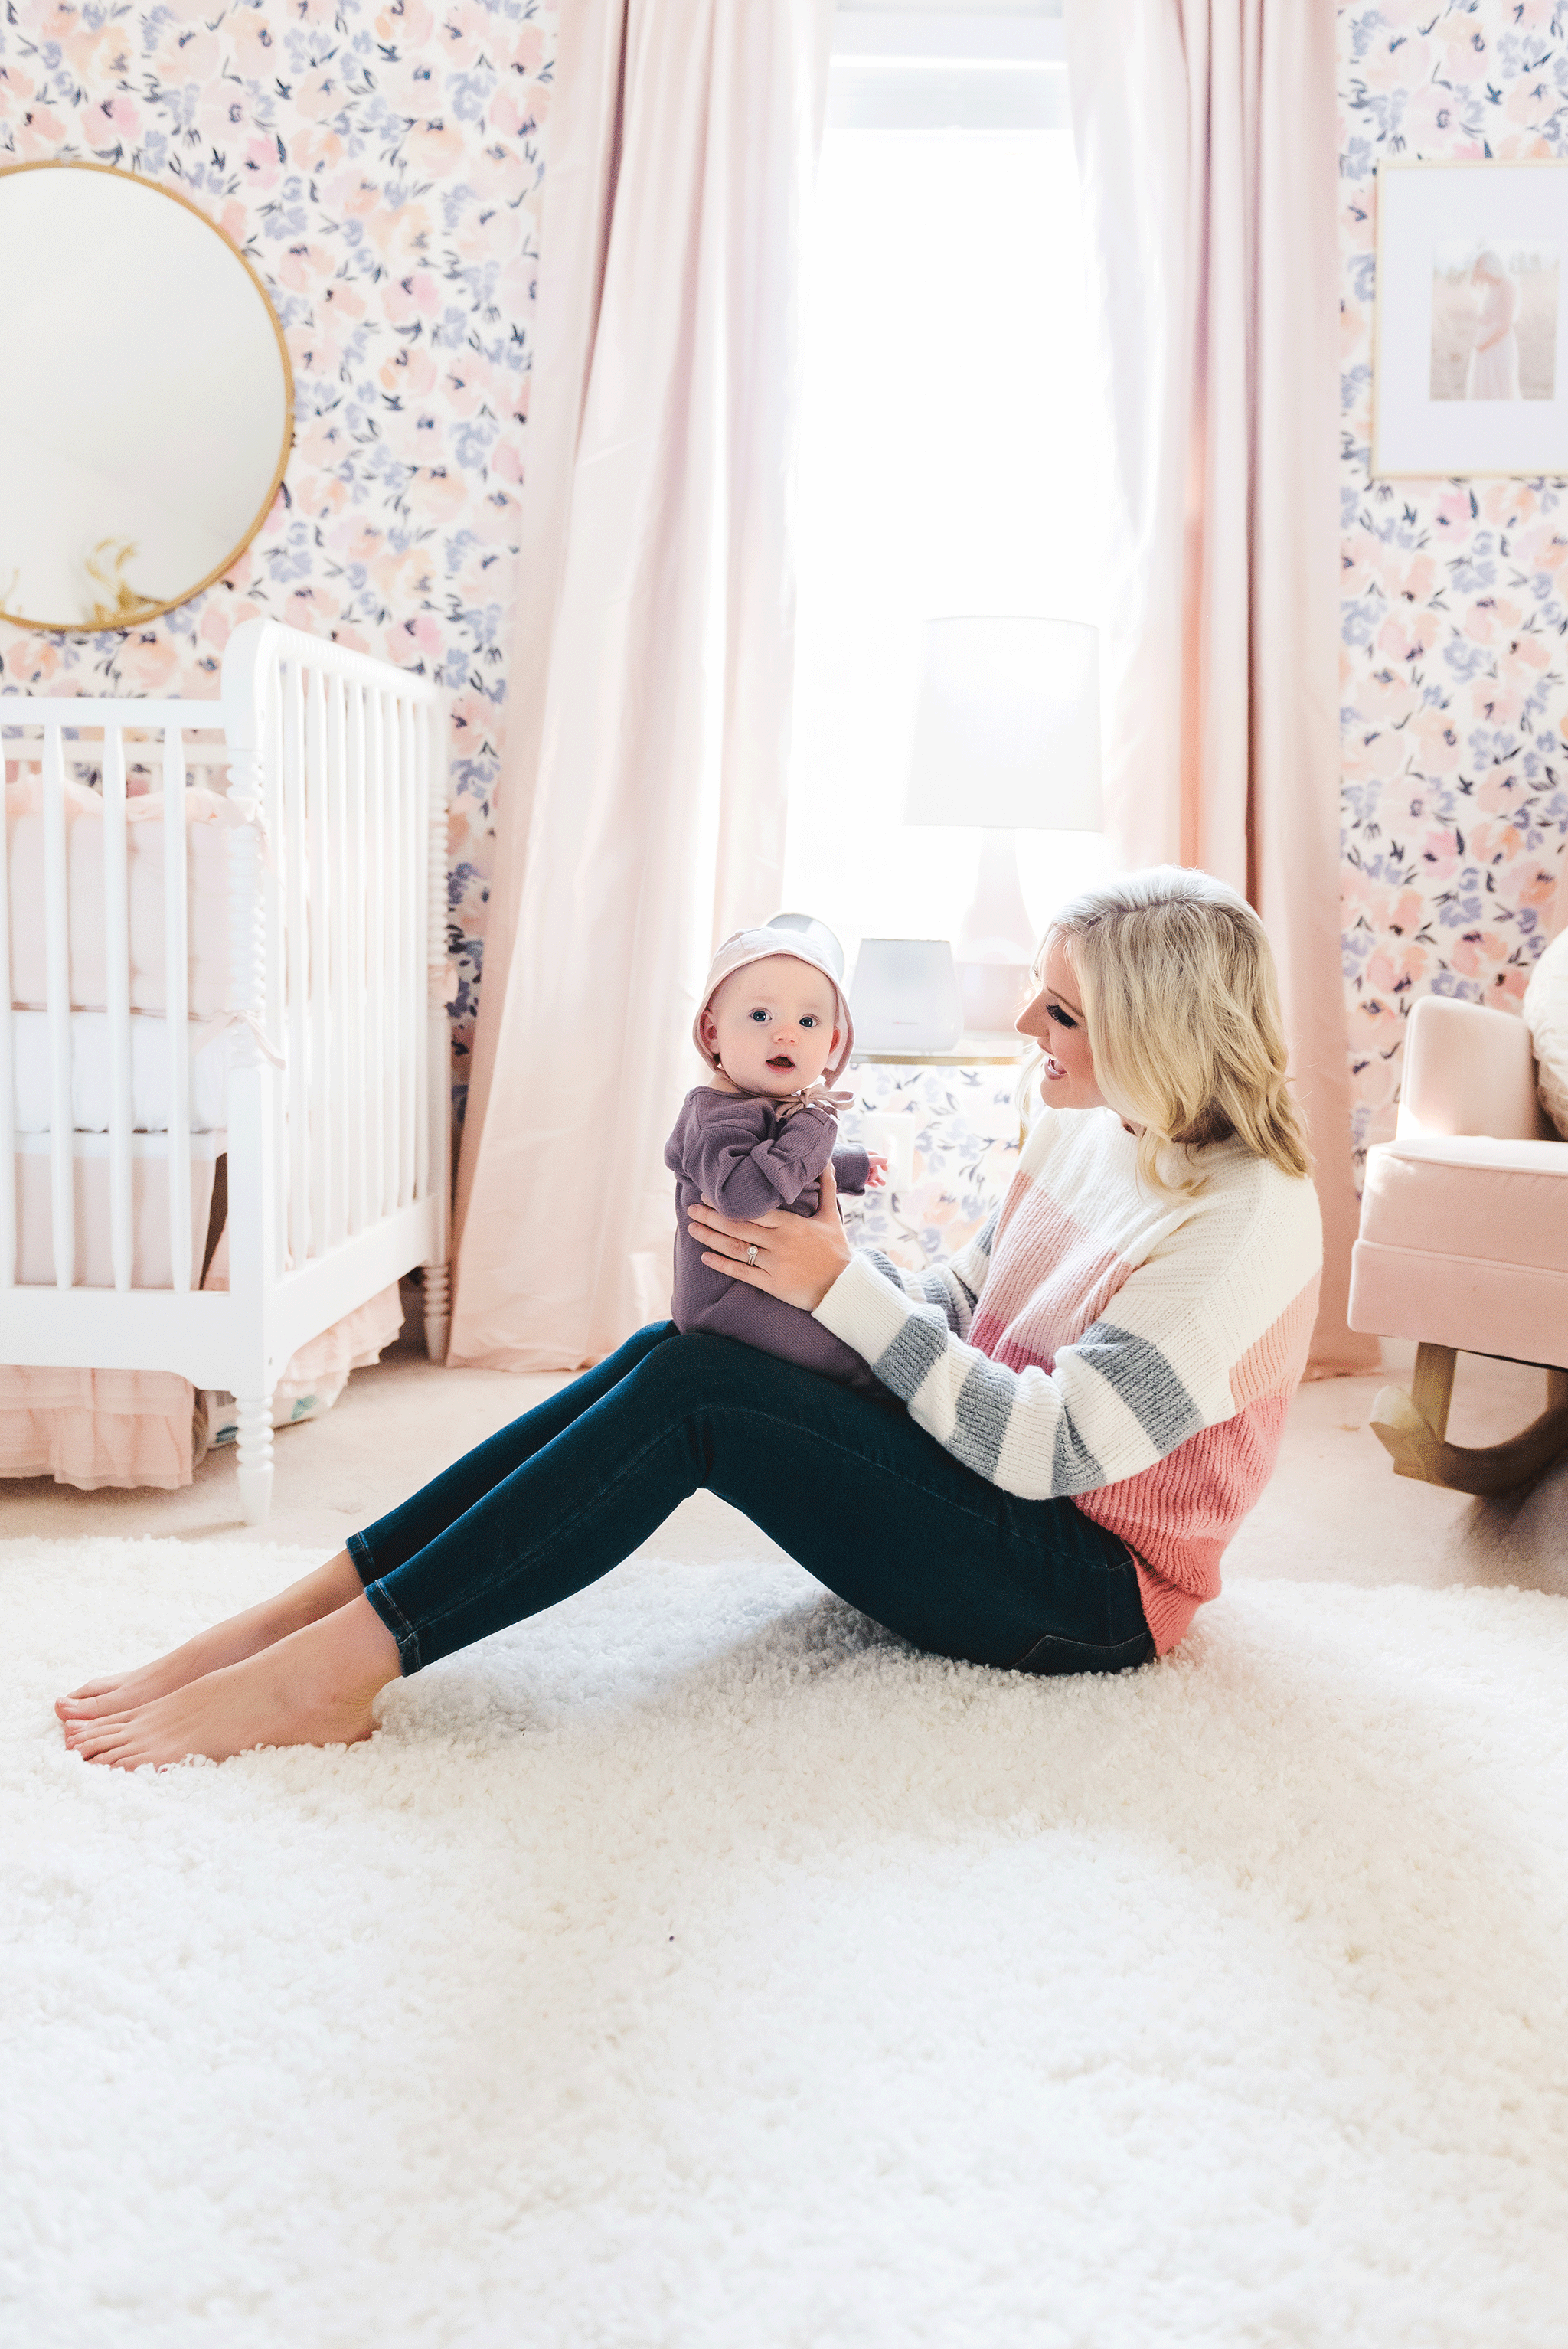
(90, 1737)
(80, 1704)
(81, 1708)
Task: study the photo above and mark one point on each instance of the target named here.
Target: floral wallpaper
(1455, 621)
(380, 165)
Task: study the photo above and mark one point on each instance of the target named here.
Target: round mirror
(146, 406)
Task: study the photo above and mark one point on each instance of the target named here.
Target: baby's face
(772, 1026)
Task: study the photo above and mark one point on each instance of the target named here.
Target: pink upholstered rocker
(1464, 1240)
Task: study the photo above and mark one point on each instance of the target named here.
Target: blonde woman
(1494, 357)
(1074, 1414)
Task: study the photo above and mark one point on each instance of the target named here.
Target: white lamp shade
(1006, 730)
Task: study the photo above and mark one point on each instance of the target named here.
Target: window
(951, 454)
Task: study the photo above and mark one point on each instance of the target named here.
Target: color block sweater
(1098, 1340)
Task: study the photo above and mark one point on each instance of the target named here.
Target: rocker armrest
(1469, 1070)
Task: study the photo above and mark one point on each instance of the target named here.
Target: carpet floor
(699, 1966)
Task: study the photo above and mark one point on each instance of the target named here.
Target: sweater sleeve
(747, 1172)
(850, 1168)
(1141, 1381)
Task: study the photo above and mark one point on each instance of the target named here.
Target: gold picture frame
(128, 610)
(1428, 205)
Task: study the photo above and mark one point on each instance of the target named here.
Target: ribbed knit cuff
(863, 1310)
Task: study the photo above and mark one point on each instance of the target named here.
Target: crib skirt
(128, 1428)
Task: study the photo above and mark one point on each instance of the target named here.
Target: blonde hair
(1176, 980)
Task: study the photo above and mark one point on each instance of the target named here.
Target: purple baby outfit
(736, 1150)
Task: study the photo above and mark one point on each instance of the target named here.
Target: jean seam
(1085, 1647)
(407, 1638)
(561, 1531)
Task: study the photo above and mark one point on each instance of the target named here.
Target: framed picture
(1469, 367)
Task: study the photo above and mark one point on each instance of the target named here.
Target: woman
(1079, 1408)
(1494, 359)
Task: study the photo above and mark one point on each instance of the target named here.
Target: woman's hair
(1176, 980)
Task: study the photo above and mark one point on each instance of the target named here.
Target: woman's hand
(799, 1257)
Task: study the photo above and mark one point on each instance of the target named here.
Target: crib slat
(177, 1007)
(345, 1079)
(358, 883)
(391, 752)
(298, 940)
(318, 887)
(58, 969)
(116, 998)
(421, 722)
(413, 972)
(274, 944)
(10, 1238)
(375, 951)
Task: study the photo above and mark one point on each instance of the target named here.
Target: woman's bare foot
(331, 1586)
(316, 1687)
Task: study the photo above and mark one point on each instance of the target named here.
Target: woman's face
(1055, 1021)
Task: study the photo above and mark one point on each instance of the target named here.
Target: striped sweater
(1137, 1352)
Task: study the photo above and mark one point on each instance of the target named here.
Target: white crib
(334, 1033)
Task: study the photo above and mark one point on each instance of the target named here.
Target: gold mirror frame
(149, 610)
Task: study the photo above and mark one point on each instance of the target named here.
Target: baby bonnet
(757, 946)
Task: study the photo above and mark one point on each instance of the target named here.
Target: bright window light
(952, 463)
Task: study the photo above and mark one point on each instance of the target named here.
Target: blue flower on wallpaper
(1465, 659)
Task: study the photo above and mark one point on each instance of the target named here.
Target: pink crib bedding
(207, 821)
(95, 1428)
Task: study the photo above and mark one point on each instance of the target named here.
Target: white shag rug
(699, 1966)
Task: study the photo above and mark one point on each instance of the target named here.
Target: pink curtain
(641, 814)
(1208, 158)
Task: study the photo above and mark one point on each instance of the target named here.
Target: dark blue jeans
(845, 1482)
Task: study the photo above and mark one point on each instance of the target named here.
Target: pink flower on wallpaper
(149, 662)
(412, 298)
(464, 28)
(1493, 842)
(1434, 730)
(1524, 659)
(109, 123)
(1440, 855)
(1538, 889)
(1406, 639)
(1478, 953)
(407, 25)
(261, 164)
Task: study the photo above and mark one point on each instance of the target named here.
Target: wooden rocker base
(1413, 1428)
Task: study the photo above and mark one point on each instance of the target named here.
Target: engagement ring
(751, 1253)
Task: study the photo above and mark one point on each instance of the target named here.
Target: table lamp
(1007, 737)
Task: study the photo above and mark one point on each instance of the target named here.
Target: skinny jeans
(844, 1480)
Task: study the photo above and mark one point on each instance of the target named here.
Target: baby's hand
(876, 1172)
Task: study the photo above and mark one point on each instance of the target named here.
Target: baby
(776, 1030)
